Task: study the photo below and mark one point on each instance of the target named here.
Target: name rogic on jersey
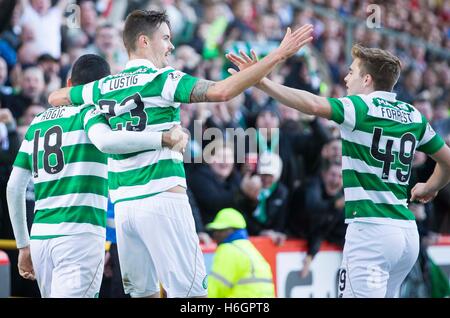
(69, 173)
(379, 138)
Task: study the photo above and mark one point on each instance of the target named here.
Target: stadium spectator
(30, 113)
(32, 91)
(9, 145)
(45, 22)
(51, 68)
(323, 212)
(270, 216)
(238, 270)
(290, 146)
(108, 45)
(226, 187)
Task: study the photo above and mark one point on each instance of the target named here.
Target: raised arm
(208, 91)
(298, 99)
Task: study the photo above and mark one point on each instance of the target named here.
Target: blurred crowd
(289, 184)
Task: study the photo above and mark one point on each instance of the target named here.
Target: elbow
(102, 148)
(106, 147)
(100, 143)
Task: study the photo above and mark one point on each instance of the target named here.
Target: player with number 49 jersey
(379, 138)
(380, 135)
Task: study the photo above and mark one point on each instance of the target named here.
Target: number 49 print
(387, 157)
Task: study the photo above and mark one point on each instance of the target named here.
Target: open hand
(293, 41)
(243, 61)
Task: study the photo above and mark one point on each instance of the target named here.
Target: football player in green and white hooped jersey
(62, 152)
(380, 135)
(154, 223)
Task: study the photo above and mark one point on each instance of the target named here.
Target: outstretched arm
(298, 99)
(208, 91)
(303, 101)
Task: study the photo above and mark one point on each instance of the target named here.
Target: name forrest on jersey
(396, 115)
(399, 112)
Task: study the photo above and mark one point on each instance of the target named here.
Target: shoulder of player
(88, 109)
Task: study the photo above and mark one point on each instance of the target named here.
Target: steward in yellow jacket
(238, 270)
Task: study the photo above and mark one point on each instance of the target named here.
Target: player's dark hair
(142, 22)
(89, 68)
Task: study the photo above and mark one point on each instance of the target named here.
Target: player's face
(160, 46)
(354, 81)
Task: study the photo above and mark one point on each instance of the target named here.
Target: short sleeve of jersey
(343, 111)
(337, 110)
(178, 87)
(90, 116)
(430, 142)
(85, 94)
(24, 156)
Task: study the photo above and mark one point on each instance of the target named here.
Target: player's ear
(69, 82)
(367, 80)
(143, 41)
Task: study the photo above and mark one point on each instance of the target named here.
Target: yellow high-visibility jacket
(240, 271)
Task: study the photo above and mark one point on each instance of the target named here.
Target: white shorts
(157, 243)
(376, 260)
(69, 266)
